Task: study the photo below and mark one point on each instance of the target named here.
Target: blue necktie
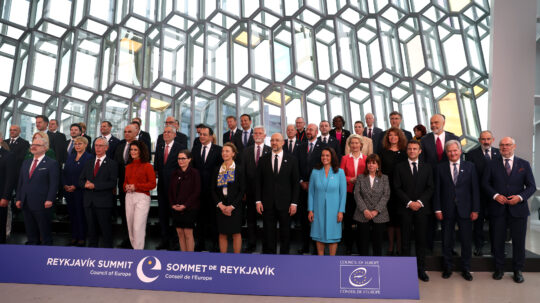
(455, 173)
(245, 138)
(507, 166)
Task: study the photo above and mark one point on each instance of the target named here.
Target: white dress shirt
(39, 161)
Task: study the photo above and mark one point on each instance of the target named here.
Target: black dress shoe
(423, 276)
(446, 273)
(478, 252)
(518, 276)
(498, 274)
(162, 245)
(249, 249)
(466, 275)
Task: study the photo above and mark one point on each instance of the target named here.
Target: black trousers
(348, 222)
(251, 219)
(518, 229)
(99, 221)
(3, 222)
(271, 216)
(371, 231)
(478, 225)
(164, 213)
(38, 225)
(465, 237)
(302, 216)
(414, 225)
(206, 225)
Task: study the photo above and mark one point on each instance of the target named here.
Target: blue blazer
(42, 186)
(465, 194)
(72, 169)
(520, 182)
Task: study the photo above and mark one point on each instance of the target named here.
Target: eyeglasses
(183, 159)
(169, 122)
(37, 145)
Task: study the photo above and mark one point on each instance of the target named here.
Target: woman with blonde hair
(49, 153)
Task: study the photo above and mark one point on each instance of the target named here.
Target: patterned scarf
(225, 175)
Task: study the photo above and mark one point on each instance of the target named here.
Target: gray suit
(372, 198)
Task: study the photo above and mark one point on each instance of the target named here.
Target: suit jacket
(165, 170)
(105, 182)
(145, 137)
(196, 142)
(372, 198)
(235, 189)
(206, 169)
(250, 168)
(113, 143)
(429, 149)
(379, 145)
(88, 147)
(333, 143)
(306, 161)
(476, 156)
(520, 182)
(120, 163)
(281, 190)
(465, 194)
(57, 142)
(227, 136)
(301, 136)
(238, 140)
(286, 146)
(409, 188)
(43, 185)
(374, 134)
(19, 148)
(8, 172)
(344, 135)
(180, 138)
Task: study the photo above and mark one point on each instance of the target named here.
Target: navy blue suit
(8, 171)
(520, 182)
(480, 161)
(457, 201)
(99, 202)
(113, 142)
(33, 192)
(70, 176)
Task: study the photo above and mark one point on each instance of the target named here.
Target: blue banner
(245, 274)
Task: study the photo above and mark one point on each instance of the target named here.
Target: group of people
(338, 186)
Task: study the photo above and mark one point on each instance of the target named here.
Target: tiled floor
(482, 289)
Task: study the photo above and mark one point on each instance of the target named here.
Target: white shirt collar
(207, 145)
(511, 158)
(39, 159)
(261, 145)
(313, 141)
(108, 137)
(280, 154)
(16, 138)
(360, 157)
(411, 161)
(101, 158)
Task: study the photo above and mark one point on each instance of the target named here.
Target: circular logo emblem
(148, 263)
(359, 278)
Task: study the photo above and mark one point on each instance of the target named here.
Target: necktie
(96, 167)
(258, 155)
(12, 141)
(126, 153)
(455, 173)
(439, 149)
(290, 146)
(203, 155)
(33, 168)
(245, 138)
(166, 155)
(414, 169)
(486, 154)
(230, 135)
(70, 148)
(324, 140)
(507, 166)
(276, 165)
(310, 148)
(369, 133)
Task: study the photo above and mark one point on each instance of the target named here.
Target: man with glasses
(180, 138)
(36, 190)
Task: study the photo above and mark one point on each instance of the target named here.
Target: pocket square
(521, 170)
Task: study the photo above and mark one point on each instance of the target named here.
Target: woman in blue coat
(73, 192)
(326, 201)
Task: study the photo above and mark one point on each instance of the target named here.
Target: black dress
(235, 191)
(185, 189)
(389, 160)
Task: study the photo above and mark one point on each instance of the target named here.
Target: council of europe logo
(359, 276)
(148, 264)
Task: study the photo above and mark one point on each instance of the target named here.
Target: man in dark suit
(8, 165)
(75, 130)
(327, 140)
(413, 185)
(18, 146)
(165, 163)
(510, 182)
(308, 155)
(105, 130)
(233, 130)
(250, 160)
(291, 144)
(206, 158)
(121, 157)
(480, 156)
(141, 134)
(277, 194)
(371, 131)
(300, 124)
(395, 121)
(98, 179)
(57, 140)
(433, 153)
(53, 129)
(180, 138)
(36, 191)
(246, 138)
(197, 141)
(456, 200)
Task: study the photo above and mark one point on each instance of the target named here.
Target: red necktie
(96, 167)
(33, 167)
(258, 155)
(166, 154)
(439, 149)
(369, 133)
